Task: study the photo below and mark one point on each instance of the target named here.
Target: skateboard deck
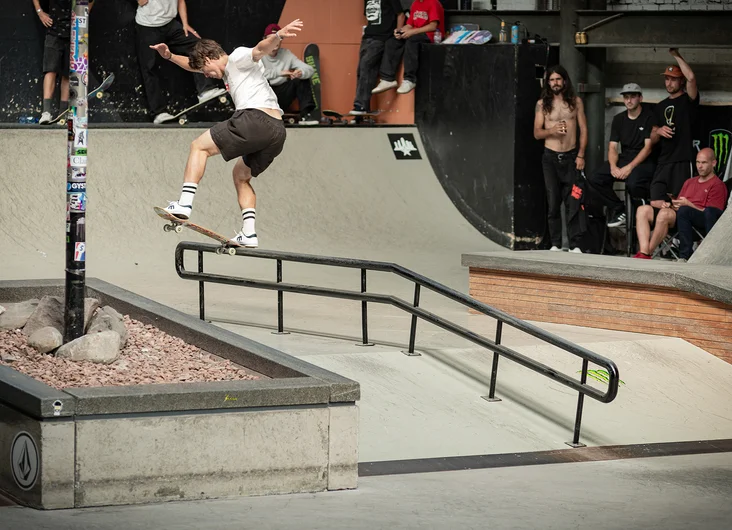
(183, 119)
(311, 56)
(96, 93)
(291, 117)
(176, 225)
(336, 118)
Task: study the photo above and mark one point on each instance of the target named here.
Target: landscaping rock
(102, 347)
(50, 313)
(107, 318)
(46, 339)
(2, 310)
(15, 316)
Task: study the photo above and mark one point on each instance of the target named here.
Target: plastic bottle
(515, 33)
(438, 36)
(503, 35)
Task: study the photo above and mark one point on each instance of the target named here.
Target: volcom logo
(719, 141)
(404, 146)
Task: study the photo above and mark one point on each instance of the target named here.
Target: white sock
(247, 218)
(187, 194)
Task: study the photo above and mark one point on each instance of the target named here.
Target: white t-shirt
(156, 13)
(245, 81)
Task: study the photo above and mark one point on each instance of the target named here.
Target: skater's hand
(291, 29)
(615, 171)
(559, 129)
(681, 201)
(142, 3)
(580, 163)
(666, 132)
(187, 29)
(624, 172)
(674, 52)
(45, 19)
(163, 50)
(296, 74)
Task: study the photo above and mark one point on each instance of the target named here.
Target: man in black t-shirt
(379, 46)
(675, 116)
(631, 131)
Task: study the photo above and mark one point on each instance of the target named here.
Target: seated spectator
(380, 53)
(425, 17)
(699, 204)
(631, 131)
(289, 77)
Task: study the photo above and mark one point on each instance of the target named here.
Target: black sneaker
(617, 220)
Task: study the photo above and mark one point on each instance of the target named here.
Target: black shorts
(669, 178)
(253, 135)
(56, 55)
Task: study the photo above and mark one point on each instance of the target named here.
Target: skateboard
(176, 225)
(311, 56)
(97, 92)
(183, 119)
(291, 118)
(336, 118)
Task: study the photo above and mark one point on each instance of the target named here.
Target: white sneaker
(210, 94)
(45, 118)
(249, 241)
(307, 121)
(406, 88)
(555, 249)
(576, 250)
(181, 212)
(162, 118)
(383, 86)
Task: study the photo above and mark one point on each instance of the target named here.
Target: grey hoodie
(285, 60)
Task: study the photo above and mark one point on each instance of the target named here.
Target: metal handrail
(498, 349)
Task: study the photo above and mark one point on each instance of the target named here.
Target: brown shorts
(251, 134)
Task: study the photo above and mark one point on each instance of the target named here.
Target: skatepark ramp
(419, 281)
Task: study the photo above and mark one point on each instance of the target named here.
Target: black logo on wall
(719, 140)
(404, 147)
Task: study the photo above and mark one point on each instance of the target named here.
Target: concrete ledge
(296, 431)
(713, 282)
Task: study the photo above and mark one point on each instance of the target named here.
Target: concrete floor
(411, 407)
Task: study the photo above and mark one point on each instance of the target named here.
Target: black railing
(420, 281)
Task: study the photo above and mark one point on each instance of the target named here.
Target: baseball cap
(673, 71)
(631, 88)
(272, 28)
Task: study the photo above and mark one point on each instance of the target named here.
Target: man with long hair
(559, 113)
(255, 134)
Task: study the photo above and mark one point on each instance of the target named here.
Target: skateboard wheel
(100, 95)
(232, 251)
(167, 228)
(62, 122)
(218, 251)
(183, 121)
(222, 99)
(178, 229)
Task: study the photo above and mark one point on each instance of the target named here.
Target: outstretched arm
(691, 87)
(269, 43)
(166, 54)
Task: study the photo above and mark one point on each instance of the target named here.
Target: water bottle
(515, 33)
(502, 35)
(437, 36)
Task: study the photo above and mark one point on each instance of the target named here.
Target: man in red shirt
(425, 17)
(699, 205)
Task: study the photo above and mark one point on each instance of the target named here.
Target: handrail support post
(580, 404)
(413, 329)
(364, 315)
(494, 370)
(280, 304)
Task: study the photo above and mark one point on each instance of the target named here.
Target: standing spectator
(56, 53)
(425, 17)
(559, 113)
(156, 23)
(631, 131)
(700, 203)
(289, 77)
(380, 49)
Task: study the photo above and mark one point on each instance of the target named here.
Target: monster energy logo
(720, 144)
(600, 375)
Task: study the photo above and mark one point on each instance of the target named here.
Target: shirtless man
(255, 134)
(558, 114)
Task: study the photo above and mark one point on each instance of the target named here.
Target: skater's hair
(202, 50)
(547, 96)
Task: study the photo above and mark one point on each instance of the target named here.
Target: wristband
(278, 35)
(578, 156)
(39, 10)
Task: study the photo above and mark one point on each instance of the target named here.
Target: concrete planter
(296, 432)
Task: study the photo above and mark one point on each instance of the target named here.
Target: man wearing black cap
(631, 132)
(673, 131)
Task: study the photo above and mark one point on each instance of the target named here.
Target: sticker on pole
(78, 161)
(78, 174)
(79, 251)
(77, 202)
(75, 186)
(80, 139)
(24, 460)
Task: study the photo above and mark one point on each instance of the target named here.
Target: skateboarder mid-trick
(255, 133)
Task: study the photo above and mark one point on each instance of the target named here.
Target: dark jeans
(376, 57)
(293, 89)
(411, 58)
(638, 183)
(560, 174)
(688, 218)
(171, 34)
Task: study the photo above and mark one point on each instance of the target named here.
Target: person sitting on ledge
(699, 205)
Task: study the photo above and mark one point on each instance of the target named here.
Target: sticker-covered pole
(76, 172)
